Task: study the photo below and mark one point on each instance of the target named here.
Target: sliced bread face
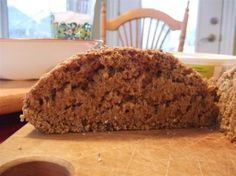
(113, 89)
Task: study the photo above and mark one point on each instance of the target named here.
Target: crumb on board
(99, 159)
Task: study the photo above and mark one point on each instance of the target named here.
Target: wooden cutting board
(12, 94)
(195, 152)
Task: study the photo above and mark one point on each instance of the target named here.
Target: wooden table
(12, 94)
(11, 101)
(195, 152)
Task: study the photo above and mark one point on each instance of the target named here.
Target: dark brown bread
(120, 89)
(227, 103)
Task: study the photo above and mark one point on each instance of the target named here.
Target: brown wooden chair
(133, 25)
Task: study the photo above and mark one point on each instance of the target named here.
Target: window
(179, 6)
(35, 19)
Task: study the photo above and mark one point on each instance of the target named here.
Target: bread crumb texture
(227, 103)
(114, 89)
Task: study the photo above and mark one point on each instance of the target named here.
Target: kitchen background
(211, 25)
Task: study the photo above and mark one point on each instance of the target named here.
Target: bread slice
(120, 89)
(227, 103)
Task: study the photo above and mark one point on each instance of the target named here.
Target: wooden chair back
(132, 25)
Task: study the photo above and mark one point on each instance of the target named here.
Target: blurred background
(211, 26)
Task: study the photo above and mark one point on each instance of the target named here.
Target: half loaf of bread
(227, 103)
(113, 89)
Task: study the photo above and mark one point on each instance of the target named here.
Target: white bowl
(22, 59)
(209, 65)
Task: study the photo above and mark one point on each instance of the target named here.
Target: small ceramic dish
(22, 59)
(209, 65)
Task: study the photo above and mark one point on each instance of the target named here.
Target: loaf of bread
(113, 89)
(227, 103)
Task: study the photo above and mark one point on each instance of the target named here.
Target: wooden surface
(12, 94)
(142, 13)
(196, 152)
